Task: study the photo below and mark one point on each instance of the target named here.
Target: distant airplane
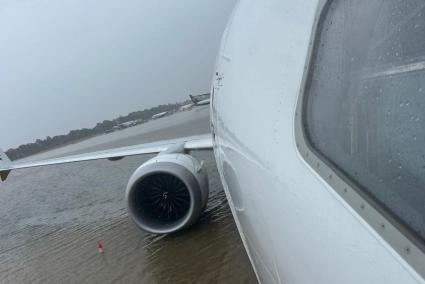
(186, 107)
(200, 100)
(323, 163)
(158, 115)
(129, 124)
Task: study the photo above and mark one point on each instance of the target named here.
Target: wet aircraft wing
(198, 142)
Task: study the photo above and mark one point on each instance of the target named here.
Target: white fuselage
(158, 115)
(295, 227)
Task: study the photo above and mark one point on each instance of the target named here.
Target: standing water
(53, 219)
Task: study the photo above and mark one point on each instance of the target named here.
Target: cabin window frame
(400, 237)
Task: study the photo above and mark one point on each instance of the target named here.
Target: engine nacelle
(167, 193)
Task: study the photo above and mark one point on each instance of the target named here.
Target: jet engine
(167, 193)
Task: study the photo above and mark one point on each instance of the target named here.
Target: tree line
(48, 143)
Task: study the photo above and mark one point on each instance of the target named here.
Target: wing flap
(188, 143)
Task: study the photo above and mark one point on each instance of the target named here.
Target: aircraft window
(364, 110)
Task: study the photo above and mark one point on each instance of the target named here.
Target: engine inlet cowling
(167, 193)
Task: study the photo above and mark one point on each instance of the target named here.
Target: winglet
(5, 165)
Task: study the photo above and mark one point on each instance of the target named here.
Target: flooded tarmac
(51, 219)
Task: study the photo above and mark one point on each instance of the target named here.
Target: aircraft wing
(198, 142)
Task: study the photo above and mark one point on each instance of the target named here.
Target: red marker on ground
(99, 247)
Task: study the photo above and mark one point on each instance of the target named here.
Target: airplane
(326, 181)
(158, 115)
(200, 100)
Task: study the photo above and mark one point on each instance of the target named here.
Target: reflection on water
(51, 219)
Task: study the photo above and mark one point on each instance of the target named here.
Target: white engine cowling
(167, 193)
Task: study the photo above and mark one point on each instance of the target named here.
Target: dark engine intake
(167, 193)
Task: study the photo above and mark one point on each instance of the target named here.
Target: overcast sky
(69, 64)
